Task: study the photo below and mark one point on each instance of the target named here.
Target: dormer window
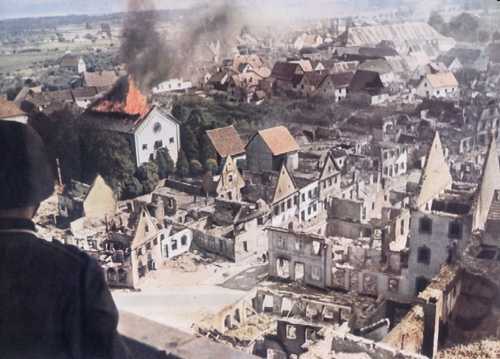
(157, 127)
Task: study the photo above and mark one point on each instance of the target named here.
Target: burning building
(127, 111)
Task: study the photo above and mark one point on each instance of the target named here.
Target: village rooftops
(226, 141)
(9, 109)
(286, 71)
(279, 140)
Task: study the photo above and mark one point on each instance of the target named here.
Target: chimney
(431, 331)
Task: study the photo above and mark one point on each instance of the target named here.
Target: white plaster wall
(169, 134)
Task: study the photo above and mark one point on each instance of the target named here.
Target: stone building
(299, 257)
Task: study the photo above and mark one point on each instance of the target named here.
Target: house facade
(438, 85)
(156, 131)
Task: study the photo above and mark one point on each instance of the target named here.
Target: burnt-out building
(300, 257)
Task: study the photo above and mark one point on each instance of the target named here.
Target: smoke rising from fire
(150, 59)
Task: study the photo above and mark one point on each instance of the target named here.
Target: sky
(306, 8)
(34, 8)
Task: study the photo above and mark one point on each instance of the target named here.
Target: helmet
(26, 177)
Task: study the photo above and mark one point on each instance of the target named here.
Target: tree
(189, 143)
(182, 167)
(437, 22)
(108, 154)
(165, 163)
(207, 150)
(196, 167)
(211, 165)
(464, 27)
(147, 175)
(132, 188)
(483, 36)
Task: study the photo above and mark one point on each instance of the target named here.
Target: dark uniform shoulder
(69, 252)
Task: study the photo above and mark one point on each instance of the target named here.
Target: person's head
(26, 177)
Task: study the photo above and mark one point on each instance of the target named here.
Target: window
(155, 241)
(455, 230)
(402, 227)
(315, 207)
(310, 194)
(171, 140)
(425, 225)
(291, 332)
(146, 228)
(424, 255)
(158, 144)
(162, 237)
(122, 275)
(303, 197)
(315, 273)
(144, 147)
(260, 221)
(148, 246)
(298, 245)
(329, 182)
(276, 210)
(230, 178)
(174, 245)
(289, 203)
(183, 240)
(283, 207)
(157, 127)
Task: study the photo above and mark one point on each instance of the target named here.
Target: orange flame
(135, 102)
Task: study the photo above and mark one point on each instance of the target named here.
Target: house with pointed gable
(486, 200)
(153, 241)
(329, 179)
(436, 176)
(270, 149)
(285, 202)
(228, 183)
(441, 221)
(92, 201)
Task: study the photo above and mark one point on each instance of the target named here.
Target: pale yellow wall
(100, 201)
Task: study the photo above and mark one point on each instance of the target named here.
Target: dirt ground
(185, 291)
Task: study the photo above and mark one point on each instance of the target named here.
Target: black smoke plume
(150, 59)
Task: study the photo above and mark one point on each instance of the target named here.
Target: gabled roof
(490, 182)
(285, 186)
(366, 80)
(285, 71)
(329, 167)
(442, 79)
(100, 79)
(315, 78)
(226, 141)
(279, 140)
(9, 109)
(229, 168)
(342, 80)
(436, 176)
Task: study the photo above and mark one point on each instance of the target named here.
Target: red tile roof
(9, 109)
(227, 141)
(279, 140)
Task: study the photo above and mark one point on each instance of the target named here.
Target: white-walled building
(155, 131)
(443, 84)
(172, 85)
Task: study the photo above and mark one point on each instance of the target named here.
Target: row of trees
(463, 27)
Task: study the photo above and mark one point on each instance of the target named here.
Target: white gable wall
(149, 134)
